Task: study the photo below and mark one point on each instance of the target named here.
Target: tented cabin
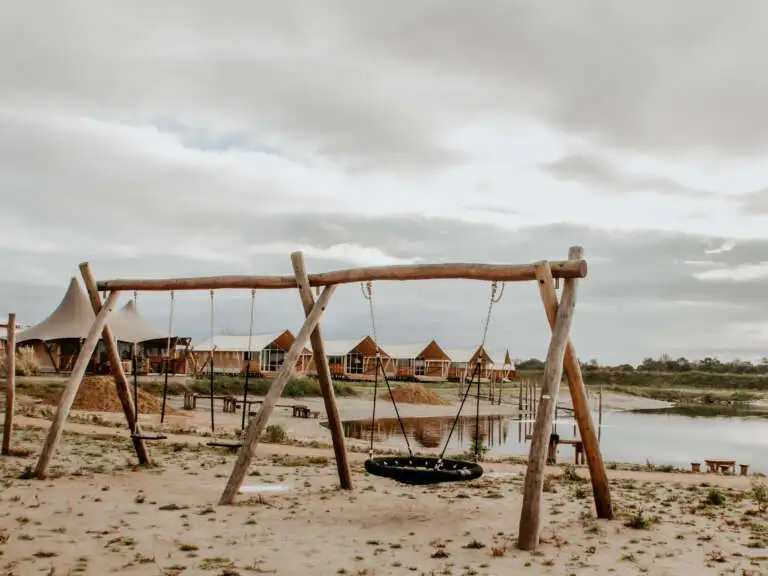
(354, 359)
(464, 360)
(419, 361)
(230, 354)
(57, 339)
(502, 366)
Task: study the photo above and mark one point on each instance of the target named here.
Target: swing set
(561, 358)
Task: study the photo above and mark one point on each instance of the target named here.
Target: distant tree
(530, 364)
(649, 365)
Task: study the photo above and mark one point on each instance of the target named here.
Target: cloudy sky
(188, 138)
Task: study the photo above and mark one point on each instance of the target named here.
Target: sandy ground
(99, 514)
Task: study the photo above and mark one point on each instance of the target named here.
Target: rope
(213, 347)
(367, 290)
(248, 363)
(167, 359)
(495, 298)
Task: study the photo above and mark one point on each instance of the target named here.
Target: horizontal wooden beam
(488, 272)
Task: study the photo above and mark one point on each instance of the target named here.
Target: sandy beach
(98, 513)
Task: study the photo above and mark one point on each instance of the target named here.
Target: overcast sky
(189, 138)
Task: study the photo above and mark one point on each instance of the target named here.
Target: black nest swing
(419, 471)
(424, 470)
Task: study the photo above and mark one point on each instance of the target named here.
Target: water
(659, 437)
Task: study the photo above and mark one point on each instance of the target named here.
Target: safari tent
(420, 360)
(354, 359)
(231, 354)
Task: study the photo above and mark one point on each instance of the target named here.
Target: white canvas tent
(57, 338)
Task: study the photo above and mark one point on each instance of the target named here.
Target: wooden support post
(10, 383)
(600, 486)
(324, 374)
(68, 396)
(257, 424)
(121, 382)
(530, 516)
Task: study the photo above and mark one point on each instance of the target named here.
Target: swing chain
(495, 298)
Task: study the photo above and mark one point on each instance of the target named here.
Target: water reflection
(658, 437)
(432, 432)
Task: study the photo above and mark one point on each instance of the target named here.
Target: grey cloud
(626, 77)
(593, 170)
(375, 86)
(754, 203)
(627, 306)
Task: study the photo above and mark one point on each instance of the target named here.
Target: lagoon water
(661, 437)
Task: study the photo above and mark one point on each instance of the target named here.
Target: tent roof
(129, 326)
(405, 351)
(414, 350)
(344, 347)
(72, 318)
(501, 358)
(461, 355)
(239, 343)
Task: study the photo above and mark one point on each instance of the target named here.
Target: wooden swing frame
(561, 357)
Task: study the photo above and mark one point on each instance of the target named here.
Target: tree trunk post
(121, 382)
(530, 517)
(583, 416)
(68, 396)
(10, 384)
(257, 424)
(323, 374)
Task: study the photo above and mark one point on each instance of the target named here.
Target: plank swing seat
(425, 470)
(232, 445)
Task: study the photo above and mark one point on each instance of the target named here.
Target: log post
(530, 516)
(68, 396)
(257, 424)
(10, 384)
(323, 374)
(121, 382)
(582, 414)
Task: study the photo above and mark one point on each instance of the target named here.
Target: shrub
(274, 434)
(638, 521)
(760, 494)
(715, 497)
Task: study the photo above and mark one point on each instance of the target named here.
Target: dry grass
(26, 362)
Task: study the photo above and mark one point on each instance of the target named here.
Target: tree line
(665, 363)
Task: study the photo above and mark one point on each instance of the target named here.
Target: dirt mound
(415, 394)
(98, 394)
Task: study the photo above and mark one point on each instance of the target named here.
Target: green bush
(274, 434)
(715, 497)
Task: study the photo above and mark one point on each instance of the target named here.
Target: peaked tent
(129, 326)
(56, 339)
(71, 319)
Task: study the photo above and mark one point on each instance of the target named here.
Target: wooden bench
(190, 401)
(720, 465)
(300, 411)
(580, 456)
